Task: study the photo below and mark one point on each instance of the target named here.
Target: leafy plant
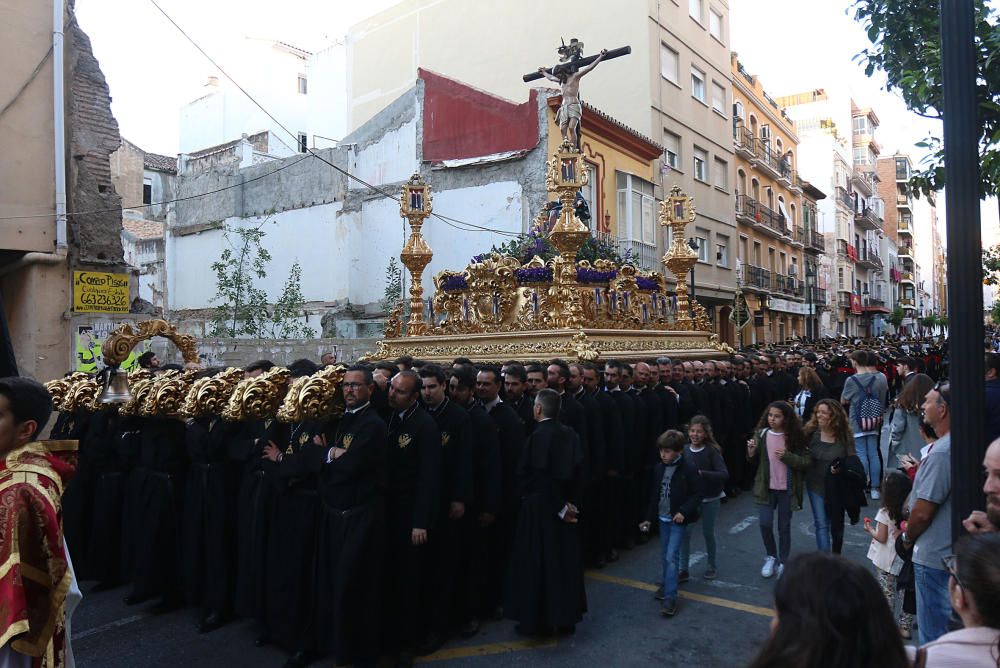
(896, 317)
(285, 317)
(393, 285)
(242, 306)
(527, 246)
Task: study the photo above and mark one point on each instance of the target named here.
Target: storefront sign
(786, 306)
(100, 292)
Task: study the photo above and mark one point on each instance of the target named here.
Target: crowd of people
(447, 497)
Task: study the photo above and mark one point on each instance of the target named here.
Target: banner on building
(90, 338)
(100, 292)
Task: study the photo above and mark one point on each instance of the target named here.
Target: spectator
(830, 613)
(706, 454)
(906, 368)
(989, 521)
(329, 358)
(149, 360)
(866, 383)
(928, 529)
(974, 590)
(811, 390)
(882, 551)
(992, 414)
(904, 434)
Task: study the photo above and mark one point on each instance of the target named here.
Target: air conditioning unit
(793, 270)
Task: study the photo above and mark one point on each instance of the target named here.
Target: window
(718, 98)
(303, 142)
(695, 9)
(744, 256)
(860, 124)
(700, 164)
(701, 238)
(636, 209)
(715, 24)
(722, 250)
(147, 191)
(669, 64)
(861, 155)
(902, 169)
(303, 85)
(756, 253)
(672, 149)
(697, 84)
(721, 176)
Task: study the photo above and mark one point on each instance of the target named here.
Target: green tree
(393, 285)
(241, 305)
(995, 313)
(906, 46)
(896, 317)
(290, 307)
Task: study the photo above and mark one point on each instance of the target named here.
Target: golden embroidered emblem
(445, 437)
(267, 423)
(288, 450)
(303, 439)
(404, 440)
(346, 441)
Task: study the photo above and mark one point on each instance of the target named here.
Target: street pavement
(720, 622)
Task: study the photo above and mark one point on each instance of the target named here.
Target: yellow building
(769, 210)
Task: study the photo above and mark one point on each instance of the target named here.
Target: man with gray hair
(547, 593)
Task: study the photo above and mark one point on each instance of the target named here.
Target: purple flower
(645, 283)
(533, 275)
(588, 275)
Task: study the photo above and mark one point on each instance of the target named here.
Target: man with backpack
(864, 398)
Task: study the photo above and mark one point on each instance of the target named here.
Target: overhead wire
(453, 222)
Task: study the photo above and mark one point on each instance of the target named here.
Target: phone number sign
(100, 292)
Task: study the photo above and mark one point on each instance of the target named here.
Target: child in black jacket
(674, 501)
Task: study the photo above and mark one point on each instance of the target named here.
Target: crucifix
(572, 67)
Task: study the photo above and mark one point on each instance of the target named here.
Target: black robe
(104, 552)
(481, 575)
(545, 581)
(208, 548)
(352, 540)
(78, 497)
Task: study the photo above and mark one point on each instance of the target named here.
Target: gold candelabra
(565, 177)
(676, 212)
(416, 205)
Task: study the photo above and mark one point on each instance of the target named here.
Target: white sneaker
(875, 495)
(781, 570)
(769, 566)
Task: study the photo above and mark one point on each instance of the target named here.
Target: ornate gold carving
(167, 394)
(394, 323)
(61, 388)
(416, 205)
(258, 398)
(580, 346)
(121, 342)
(81, 394)
(315, 397)
(208, 396)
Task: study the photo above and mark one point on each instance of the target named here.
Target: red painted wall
(463, 122)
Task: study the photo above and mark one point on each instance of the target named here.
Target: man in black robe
(352, 528)
(608, 511)
(414, 481)
(457, 495)
(545, 582)
(570, 411)
(515, 380)
(596, 471)
(685, 402)
(659, 376)
(485, 556)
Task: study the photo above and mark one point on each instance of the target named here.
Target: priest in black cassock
(351, 535)
(545, 581)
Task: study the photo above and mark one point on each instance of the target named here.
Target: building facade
(894, 173)
(773, 228)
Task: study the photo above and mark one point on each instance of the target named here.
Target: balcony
(905, 225)
(798, 237)
(845, 198)
(787, 285)
(749, 210)
(744, 142)
(846, 250)
(844, 300)
(861, 183)
(905, 251)
(764, 157)
(867, 218)
(907, 302)
(813, 241)
(868, 257)
(786, 175)
(643, 254)
(757, 278)
(817, 296)
(872, 305)
(904, 201)
(906, 277)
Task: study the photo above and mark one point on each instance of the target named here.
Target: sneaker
(710, 573)
(669, 608)
(659, 595)
(875, 495)
(769, 565)
(683, 576)
(781, 570)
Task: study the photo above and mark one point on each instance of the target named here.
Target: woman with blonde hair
(811, 390)
(831, 457)
(904, 434)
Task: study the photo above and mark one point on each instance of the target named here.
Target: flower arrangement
(530, 275)
(454, 283)
(647, 283)
(590, 275)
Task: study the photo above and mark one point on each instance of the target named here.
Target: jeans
(867, 447)
(933, 602)
(671, 537)
(709, 511)
(821, 522)
(782, 501)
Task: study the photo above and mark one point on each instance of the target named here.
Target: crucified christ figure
(571, 109)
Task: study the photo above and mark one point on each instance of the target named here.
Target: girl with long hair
(830, 443)
(779, 446)
(705, 453)
(882, 552)
(830, 613)
(904, 433)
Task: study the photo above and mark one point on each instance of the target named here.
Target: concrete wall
(241, 352)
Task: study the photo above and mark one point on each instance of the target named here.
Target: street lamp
(810, 285)
(693, 245)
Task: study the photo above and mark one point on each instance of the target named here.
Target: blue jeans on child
(671, 537)
(867, 448)
(709, 511)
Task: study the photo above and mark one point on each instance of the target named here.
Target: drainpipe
(59, 129)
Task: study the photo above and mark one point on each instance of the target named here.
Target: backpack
(869, 412)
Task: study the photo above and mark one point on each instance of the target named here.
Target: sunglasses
(951, 565)
(943, 388)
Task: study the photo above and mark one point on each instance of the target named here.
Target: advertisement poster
(100, 292)
(89, 339)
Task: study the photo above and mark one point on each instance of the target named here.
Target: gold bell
(116, 389)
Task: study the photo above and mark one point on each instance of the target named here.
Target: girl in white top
(882, 552)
